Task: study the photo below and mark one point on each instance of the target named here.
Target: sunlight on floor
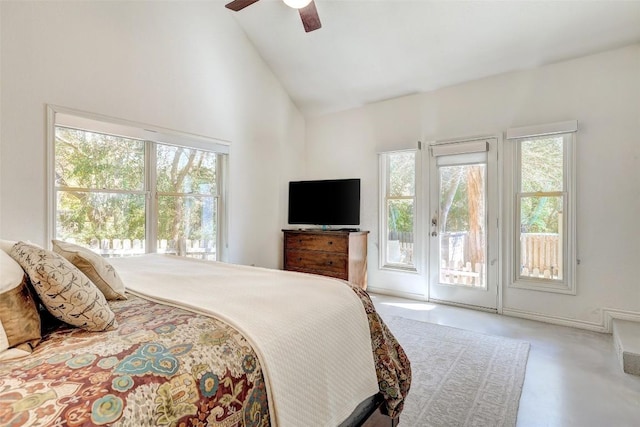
(418, 306)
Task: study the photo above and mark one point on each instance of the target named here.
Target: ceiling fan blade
(310, 18)
(237, 5)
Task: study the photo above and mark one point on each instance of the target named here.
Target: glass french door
(463, 223)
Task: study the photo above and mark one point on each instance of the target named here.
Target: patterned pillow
(95, 267)
(19, 318)
(64, 290)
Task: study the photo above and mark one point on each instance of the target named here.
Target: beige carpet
(460, 378)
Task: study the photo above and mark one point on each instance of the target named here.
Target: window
(123, 190)
(186, 182)
(543, 202)
(398, 209)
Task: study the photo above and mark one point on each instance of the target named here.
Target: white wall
(601, 91)
(179, 65)
(187, 66)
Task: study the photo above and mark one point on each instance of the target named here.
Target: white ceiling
(371, 50)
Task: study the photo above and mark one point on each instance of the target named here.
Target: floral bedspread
(163, 366)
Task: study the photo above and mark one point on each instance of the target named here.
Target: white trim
(463, 305)
(395, 293)
(401, 150)
(459, 148)
(604, 326)
(82, 120)
(500, 220)
(472, 151)
(383, 196)
(541, 130)
(611, 314)
(151, 202)
(50, 171)
(542, 285)
(222, 200)
(556, 320)
(67, 117)
(568, 284)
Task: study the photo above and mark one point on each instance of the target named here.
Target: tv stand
(334, 253)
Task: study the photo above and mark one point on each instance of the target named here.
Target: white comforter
(310, 333)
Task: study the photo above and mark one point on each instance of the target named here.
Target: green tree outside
(113, 168)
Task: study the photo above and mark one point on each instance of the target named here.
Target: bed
(199, 343)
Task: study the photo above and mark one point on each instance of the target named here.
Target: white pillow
(11, 273)
(6, 245)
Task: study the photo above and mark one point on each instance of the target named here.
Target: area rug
(460, 378)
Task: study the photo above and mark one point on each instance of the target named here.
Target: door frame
(495, 219)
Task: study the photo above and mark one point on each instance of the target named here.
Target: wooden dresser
(334, 253)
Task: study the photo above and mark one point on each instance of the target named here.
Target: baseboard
(399, 294)
(461, 305)
(604, 326)
(612, 313)
(556, 320)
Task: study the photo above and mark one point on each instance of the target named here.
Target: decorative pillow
(63, 289)
(95, 267)
(19, 318)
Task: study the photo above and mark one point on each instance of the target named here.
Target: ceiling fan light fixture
(296, 4)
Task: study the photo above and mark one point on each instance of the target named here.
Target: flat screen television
(325, 202)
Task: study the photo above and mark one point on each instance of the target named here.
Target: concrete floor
(573, 376)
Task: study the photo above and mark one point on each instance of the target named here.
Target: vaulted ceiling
(371, 50)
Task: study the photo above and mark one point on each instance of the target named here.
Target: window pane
(402, 172)
(462, 225)
(541, 225)
(400, 228)
(111, 224)
(185, 170)
(98, 161)
(187, 226)
(542, 162)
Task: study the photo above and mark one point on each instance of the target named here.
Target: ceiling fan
(306, 8)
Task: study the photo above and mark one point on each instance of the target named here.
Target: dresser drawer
(335, 265)
(316, 242)
(335, 253)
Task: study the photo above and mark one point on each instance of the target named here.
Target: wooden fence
(541, 256)
(400, 247)
(203, 249)
(455, 265)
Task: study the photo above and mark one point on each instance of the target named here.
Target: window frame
(384, 197)
(515, 136)
(151, 136)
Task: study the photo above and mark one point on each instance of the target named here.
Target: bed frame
(378, 419)
(369, 414)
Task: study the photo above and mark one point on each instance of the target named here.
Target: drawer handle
(330, 263)
(299, 240)
(299, 259)
(330, 242)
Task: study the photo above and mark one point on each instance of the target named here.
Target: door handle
(434, 225)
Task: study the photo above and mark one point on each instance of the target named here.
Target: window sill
(399, 268)
(560, 288)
